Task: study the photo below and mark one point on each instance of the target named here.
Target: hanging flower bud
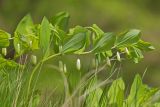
(78, 64)
(126, 50)
(18, 48)
(118, 56)
(108, 61)
(64, 68)
(34, 59)
(4, 51)
(61, 66)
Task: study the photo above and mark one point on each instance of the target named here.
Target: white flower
(126, 50)
(118, 56)
(78, 64)
(4, 51)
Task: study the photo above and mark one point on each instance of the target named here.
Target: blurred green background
(110, 15)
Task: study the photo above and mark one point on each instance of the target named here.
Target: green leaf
(7, 64)
(45, 33)
(25, 36)
(105, 43)
(136, 54)
(96, 33)
(75, 43)
(61, 20)
(58, 38)
(104, 100)
(127, 38)
(4, 39)
(109, 53)
(103, 55)
(25, 25)
(116, 93)
(145, 46)
(97, 30)
(139, 93)
(77, 29)
(80, 29)
(94, 96)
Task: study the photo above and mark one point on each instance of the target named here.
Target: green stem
(83, 53)
(34, 70)
(30, 79)
(42, 61)
(50, 57)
